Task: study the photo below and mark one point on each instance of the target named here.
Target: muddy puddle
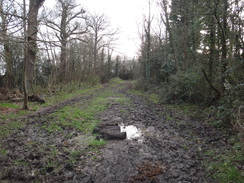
(132, 132)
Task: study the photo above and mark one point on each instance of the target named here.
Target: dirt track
(170, 149)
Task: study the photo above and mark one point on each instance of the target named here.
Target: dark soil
(170, 149)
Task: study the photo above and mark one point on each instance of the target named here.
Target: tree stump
(109, 132)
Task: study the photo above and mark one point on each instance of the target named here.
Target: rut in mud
(168, 148)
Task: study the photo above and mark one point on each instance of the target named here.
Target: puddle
(132, 132)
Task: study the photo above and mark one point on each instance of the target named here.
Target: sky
(126, 15)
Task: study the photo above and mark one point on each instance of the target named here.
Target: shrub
(186, 86)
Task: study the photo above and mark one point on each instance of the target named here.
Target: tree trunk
(193, 32)
(9, 80)
(222, 28)
(95, 53)
(30, 45)
(224, 47)
(32, 29)
(25, 104)
(148, 45)
(169, 30)
(63, 36)
(211, 56)
(8, 55)
(109, 65)
(63, 60)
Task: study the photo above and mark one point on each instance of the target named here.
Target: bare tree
(8, 27)
(147, 30)
(66, 22)
(103, 35)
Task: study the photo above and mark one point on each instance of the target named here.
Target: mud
(167, 150)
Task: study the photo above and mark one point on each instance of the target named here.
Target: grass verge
(226, 167)
(84, 118)
(152, 97)
(10, 112)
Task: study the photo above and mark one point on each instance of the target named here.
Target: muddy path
(169, 147)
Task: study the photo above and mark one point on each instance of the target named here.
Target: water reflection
(132, 132)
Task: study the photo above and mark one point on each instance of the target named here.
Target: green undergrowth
(116, 81)
(73, 124)
(97, 143)
(50, 99)
(9, 105)
(226, 166)
(11, 112)
(10, 126)
(187, 109)
(83, 117)
(67, 94)
(152, 97)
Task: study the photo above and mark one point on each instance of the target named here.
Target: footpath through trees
(56, 143)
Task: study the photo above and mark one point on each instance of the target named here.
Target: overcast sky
(126, 15)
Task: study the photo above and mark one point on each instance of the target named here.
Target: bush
(227, 112)
(186, 86)
(92, 80)
(238, 123)
(141, 84)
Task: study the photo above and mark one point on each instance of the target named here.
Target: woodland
(191, 56)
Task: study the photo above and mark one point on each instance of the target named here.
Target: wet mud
(162, 150)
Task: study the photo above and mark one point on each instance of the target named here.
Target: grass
(10, 111)
(75, 153)
(168, 117)
(79, 118)
(137, 92)
(116, 81)
(52, 165)
(9, 105)
(20, 162)
(13, 111)
(97, 143)
(184, 108)
(224, 165)
(84, 118)
(9, 126)
(3, 152)
(67, 94)
(155, 98)
(53, 127)
(152, 97)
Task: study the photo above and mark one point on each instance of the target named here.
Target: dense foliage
(199, 57)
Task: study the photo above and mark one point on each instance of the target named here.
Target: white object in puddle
(132, 132)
